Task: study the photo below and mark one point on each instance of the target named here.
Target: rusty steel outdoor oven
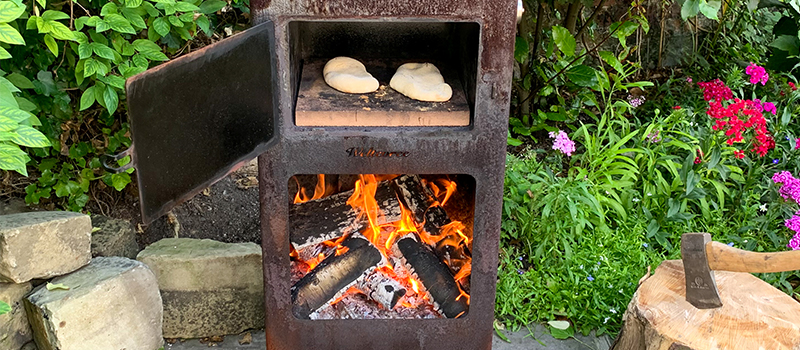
(259, 94)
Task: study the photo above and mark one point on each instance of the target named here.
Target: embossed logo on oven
(371, 152)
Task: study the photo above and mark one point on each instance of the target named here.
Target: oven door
(197, 118)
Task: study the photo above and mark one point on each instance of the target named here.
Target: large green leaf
(102, 51)
(161, 25)
(61, 32)
(10, 11)
(10, 35)
(175, 21)
(90, 67)
(690, 8)
(788, 43)
(51, 15)
(612, 60)
(4, 54)
(521, 49)
(133, 3)
(149, 50)
(184, 6)
(564, 40)
(211, 6)
(7, 97)
(15, 114)
(582, 75)
(13, 158)
(30, 137)
(111, 99)
(87, 99)
(119, 23)
(20, 81)
(7, 124)
(710, 9)
(51, 44)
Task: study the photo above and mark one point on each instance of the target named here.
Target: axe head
(701, 288)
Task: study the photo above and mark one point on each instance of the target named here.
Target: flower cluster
(562, 142)
(739, 118)
(790, 190)
(792, 86)
(715, 90)
(635, 101)
(655, 136)
(757, 74)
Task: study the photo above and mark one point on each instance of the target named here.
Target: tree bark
(754, 315)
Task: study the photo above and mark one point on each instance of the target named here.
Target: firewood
(333, 276)
(434, 275)
(331, 217)
(754, 315)
(416, 197)
(382, 289)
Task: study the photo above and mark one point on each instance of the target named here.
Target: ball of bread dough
(421, 81)
(349, 75)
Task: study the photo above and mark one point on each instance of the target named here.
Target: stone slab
(209, 287)
(15, 330)
(113, 237)
(41, 245)
(112, 303)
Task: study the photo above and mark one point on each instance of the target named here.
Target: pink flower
(794, 243)
(739, 154)
(688, 79)
(757, 74)
(562, 142)
(770, 107)
(797, 143)
(792, 86)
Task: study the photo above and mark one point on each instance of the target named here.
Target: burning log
(382, 288)
(333, 276)
(414, 195)
(331, 217)
(434, 275)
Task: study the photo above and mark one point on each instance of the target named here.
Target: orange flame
(320, 190)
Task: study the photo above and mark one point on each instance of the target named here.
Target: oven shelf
(320, 105)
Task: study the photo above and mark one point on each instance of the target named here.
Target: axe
(701, 257)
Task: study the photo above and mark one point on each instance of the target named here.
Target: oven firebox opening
(381, 246)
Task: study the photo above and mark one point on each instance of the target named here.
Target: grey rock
(43, 244)
(15, 330)
(209, 287)
(113, 237)
(112, 303)
(29, 346)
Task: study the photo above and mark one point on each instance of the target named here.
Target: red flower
(697, 160)
(676, 107)
(739, 154)
(791, 85)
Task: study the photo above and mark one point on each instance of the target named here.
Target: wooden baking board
(320, 105)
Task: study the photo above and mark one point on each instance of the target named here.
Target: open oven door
(197, 118)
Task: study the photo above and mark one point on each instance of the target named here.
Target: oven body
(477, 150)
(237, 101)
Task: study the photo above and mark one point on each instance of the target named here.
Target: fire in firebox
(381, 246)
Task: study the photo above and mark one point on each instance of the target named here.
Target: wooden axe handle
(723, 257)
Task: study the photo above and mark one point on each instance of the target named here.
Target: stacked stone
(209, 288)
(100, 303)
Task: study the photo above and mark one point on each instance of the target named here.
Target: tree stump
(754, 315)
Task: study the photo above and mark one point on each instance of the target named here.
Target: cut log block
(319, 220)
(754, 315)
(434, 275)
(333, 276)
(416, 197)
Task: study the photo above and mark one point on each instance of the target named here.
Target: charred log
(435, 277)
(331, 217)
(333, 276)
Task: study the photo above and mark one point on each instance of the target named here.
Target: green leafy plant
(16, 123)
(71, 75)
